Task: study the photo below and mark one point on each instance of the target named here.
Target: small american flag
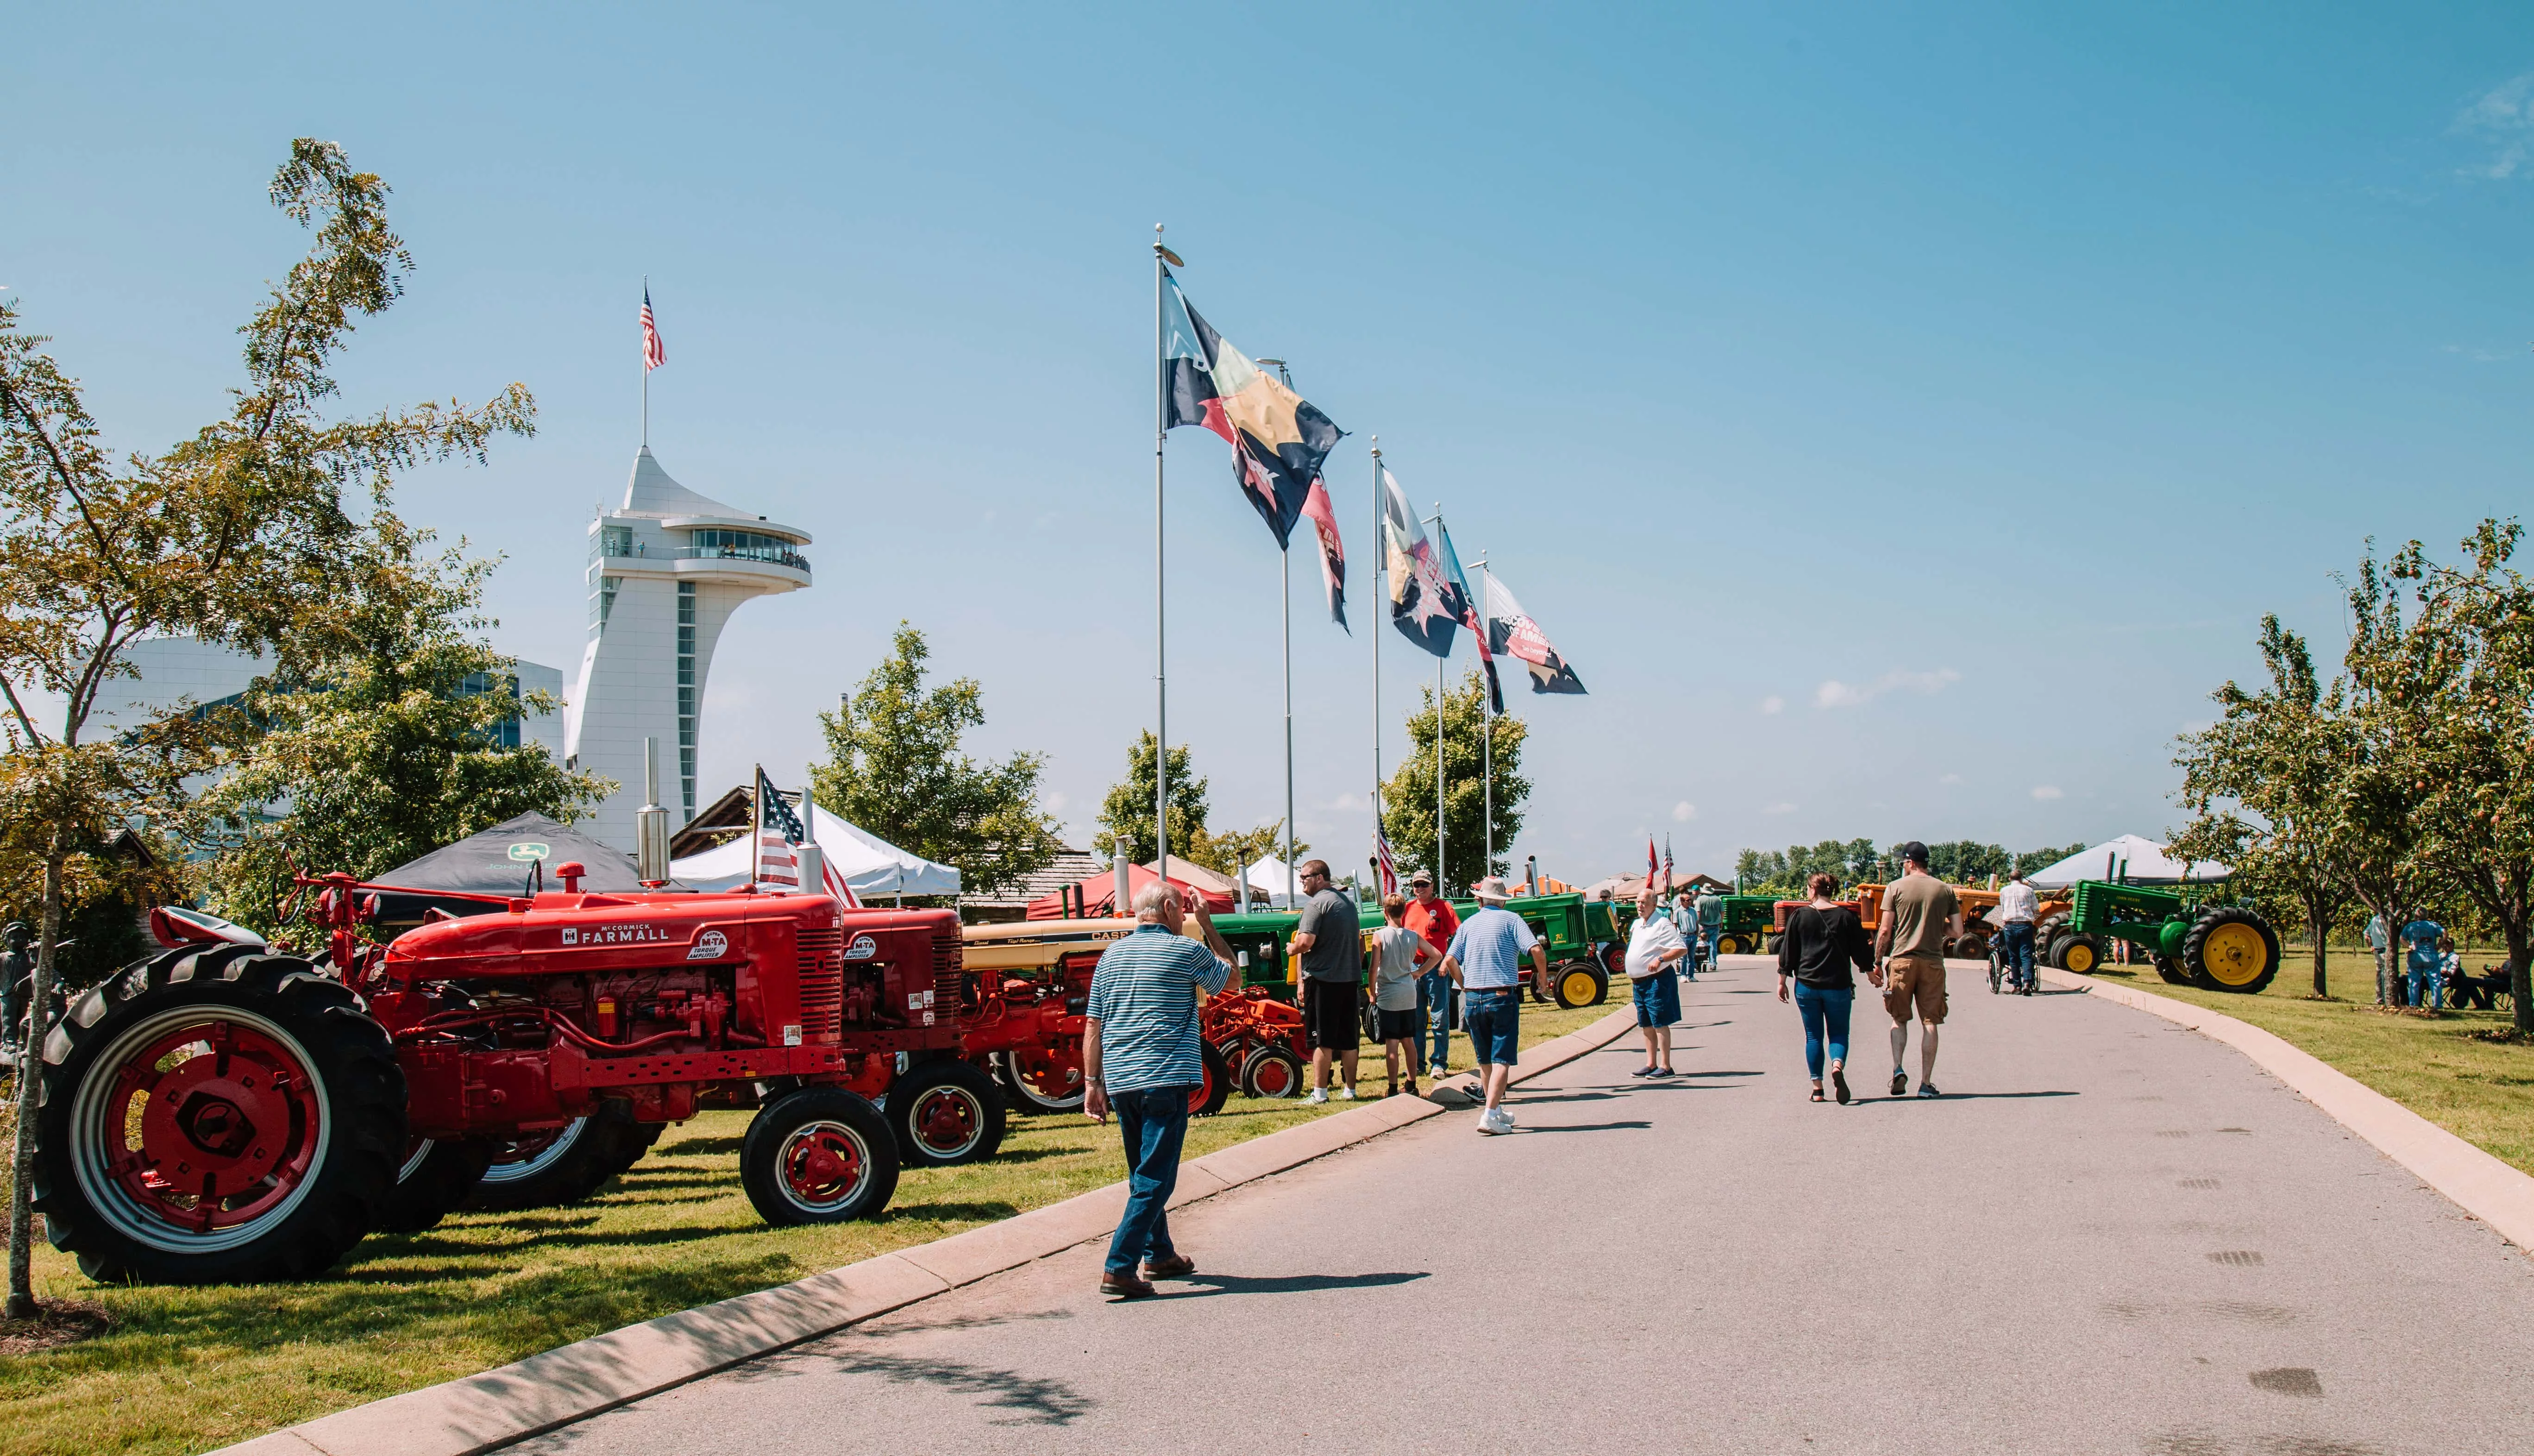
(654, 352)
(778, 828)
(1381, 855)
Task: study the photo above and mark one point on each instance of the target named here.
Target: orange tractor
(1867, 903)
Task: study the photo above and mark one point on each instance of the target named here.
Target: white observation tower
(665, 572)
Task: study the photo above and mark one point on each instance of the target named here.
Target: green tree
(2394, 670)
(2262, 784)
(1126, 812)
(1228, 852)
(230, 535)
(380, 735)
(1407, 799)
(894, 767)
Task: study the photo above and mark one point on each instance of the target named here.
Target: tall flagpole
(1442, 881)
(1161, 660)
(1486, 736)
(647, 369)
(1380, 603)
(1284, 586)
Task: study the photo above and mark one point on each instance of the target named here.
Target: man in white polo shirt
(1485, 959)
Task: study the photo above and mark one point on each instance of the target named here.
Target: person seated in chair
(2479, 992)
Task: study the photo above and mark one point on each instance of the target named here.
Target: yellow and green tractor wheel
(2233, 949)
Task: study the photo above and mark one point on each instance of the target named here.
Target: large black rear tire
(2232, 949)
(217, 1115)
(1209, 1096)
(563, 1166)
(819, 1155)
(946, 1112)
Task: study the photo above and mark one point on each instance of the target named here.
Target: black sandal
(1817, 1095)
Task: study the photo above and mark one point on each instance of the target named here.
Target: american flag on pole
(1388, 867)
(1666, 889)
(654, 352)
(778, 828)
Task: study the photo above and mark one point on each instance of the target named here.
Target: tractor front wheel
(1730, 944)
(2081, 954)
(946, 1112)
(1029, 1072)
(1271, 1071)
(215, 1116)
(1216, 1089)
(557, 1166)
(1580, 984)
(820, 1155)
(2231, 949)
(434, 1181)
(2170, 971)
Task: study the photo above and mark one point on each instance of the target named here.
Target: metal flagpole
(1486, 737)
(1161, 660)
(1284, 586)
(647, 369)
(1381, 601)
(1442, 882)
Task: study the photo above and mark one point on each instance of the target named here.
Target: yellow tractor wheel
(2231, 949)
(2080, 953)
(1579, 984)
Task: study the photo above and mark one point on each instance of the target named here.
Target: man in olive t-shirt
(1920, 918)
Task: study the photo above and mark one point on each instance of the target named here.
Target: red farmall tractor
(226, 1111)
(1022, 1014)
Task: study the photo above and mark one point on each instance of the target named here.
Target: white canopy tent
(2143, 860)
(870, 865)
(1270, 877)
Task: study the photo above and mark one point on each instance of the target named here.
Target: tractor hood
(607, 932)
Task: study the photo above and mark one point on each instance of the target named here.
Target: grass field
(2481, 1091)
(191, 1370)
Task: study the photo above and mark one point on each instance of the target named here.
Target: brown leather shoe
(1125, 1287)
(1177, 1266)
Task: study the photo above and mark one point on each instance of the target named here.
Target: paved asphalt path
(2109, 1235)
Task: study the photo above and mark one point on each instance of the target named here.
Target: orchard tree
(232, 536)
(1126, 812)
(894, 767)
(2262, 784)
(1407, 799)
(2393, 671)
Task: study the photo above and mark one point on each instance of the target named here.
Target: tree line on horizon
(1854, 861)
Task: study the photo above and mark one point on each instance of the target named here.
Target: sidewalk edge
(2479, 1183)
(528, 1398)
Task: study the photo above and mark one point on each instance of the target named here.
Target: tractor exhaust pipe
(651, 823)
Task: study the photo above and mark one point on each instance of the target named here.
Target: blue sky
(1899, 415)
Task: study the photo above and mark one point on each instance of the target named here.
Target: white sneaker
(1346, 1094)
(1506, 1117)
(1318, 1094)
(1492, 1123)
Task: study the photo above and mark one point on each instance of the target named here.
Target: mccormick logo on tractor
(613, 934)
(863, 948)
(710, 946)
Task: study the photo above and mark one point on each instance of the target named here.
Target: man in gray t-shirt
(1330, 943)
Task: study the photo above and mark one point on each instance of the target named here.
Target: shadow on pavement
(1287, 1284)
(1032, 1400)
(1967, 1097)
(1583, 1127)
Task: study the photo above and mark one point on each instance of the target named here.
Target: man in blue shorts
(1485, 960)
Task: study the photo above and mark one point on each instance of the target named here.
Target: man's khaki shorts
(1914, 982)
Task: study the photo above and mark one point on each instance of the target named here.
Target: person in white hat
(1486, 959)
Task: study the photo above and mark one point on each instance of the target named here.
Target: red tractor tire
(1216, 1089)
(1271, 1071)
(944, 1111)
(817, 1155)
(434, 1183)
(559, 1166)
(1027, 1095)
(217, 1115)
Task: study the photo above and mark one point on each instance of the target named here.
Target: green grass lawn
(2479, 1090)
(190, 1370)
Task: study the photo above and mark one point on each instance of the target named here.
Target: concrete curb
(2481, 1185)
(479, 1413)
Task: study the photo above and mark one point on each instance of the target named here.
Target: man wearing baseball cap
(1431, 916)
(1485, 959)
(1920, 918)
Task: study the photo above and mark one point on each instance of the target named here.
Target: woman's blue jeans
(1825, 1012)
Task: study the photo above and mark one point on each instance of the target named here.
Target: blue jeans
(1711, 933)
(1825, 1012)
(2015, 940)
(2429, 987)
(1495, 1025)
(1435, 993)
(1154, 1122)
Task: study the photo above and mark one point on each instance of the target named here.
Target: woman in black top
(1822, 940)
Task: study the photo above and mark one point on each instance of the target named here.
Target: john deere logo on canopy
(529, 849)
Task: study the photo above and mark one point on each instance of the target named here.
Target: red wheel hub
(945, 1121)
(226, 1122)
(822, 1164)
(1275, 1076)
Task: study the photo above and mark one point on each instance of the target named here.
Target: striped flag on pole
(654, 352)
(1381, 854)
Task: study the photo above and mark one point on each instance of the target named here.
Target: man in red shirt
(1431, 916)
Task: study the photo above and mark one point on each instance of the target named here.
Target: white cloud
(1348, 801)
(1773, 704)
(1054, 800)
(1835, 694)
(1778, 809)
(1683, 812)
(1950, 779)
(2047, 791)
(2504, 117)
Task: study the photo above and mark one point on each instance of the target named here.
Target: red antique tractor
(225, 1112)
(1022, 1014)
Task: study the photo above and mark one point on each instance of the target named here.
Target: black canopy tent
(503, 860)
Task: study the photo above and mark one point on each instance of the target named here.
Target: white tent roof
(2145, 858)
(1272, 876)
(869, 864)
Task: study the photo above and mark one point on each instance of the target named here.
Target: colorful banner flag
(1324, 522)
(1463, 604)
(1511, 631)
(1417, 592)
(1651, 867)
(1278, 438)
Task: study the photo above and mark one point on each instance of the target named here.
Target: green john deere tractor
(2192, 940)
(1748, 919)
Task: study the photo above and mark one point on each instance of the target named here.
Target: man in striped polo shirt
(1140, 1058)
